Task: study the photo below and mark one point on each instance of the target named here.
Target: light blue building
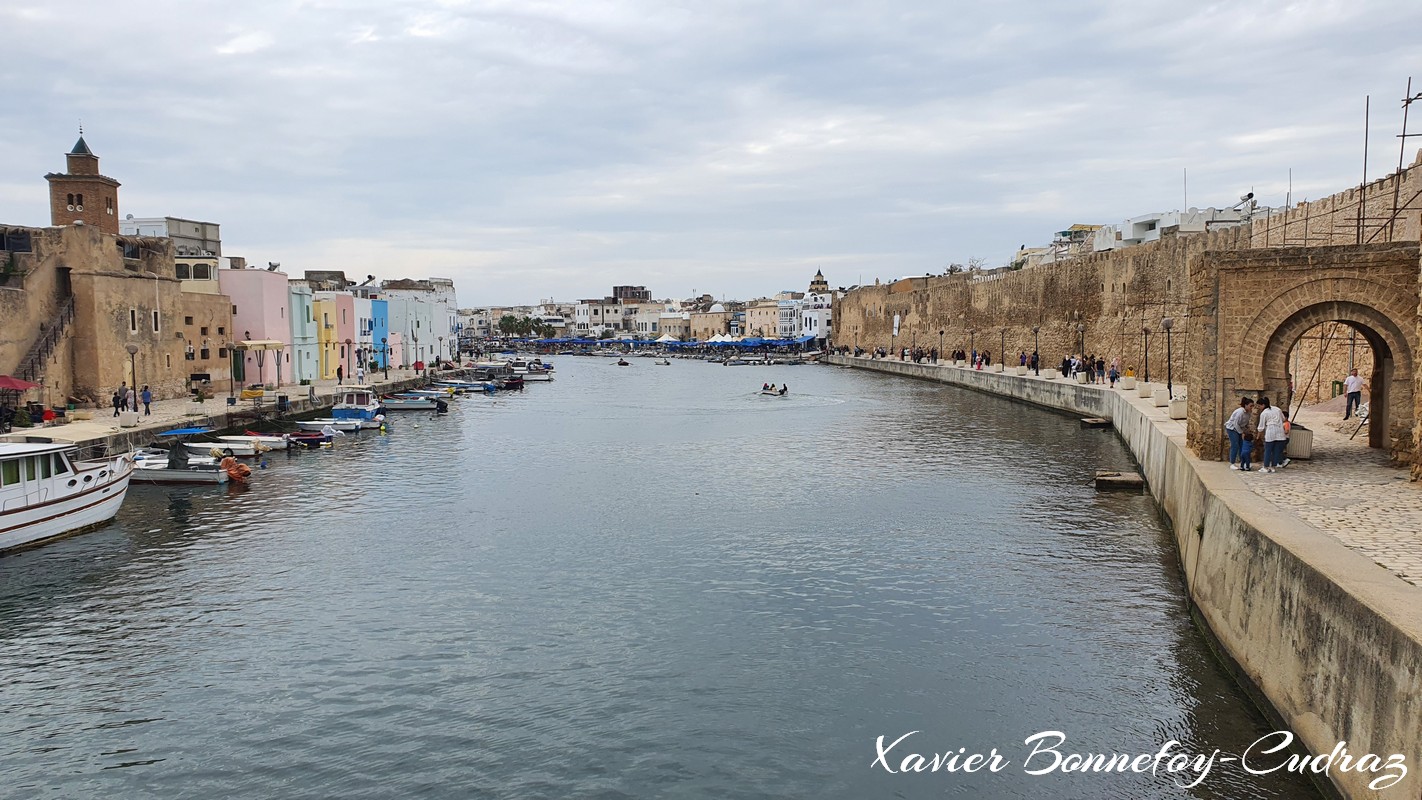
(380, 330)
(303, 355)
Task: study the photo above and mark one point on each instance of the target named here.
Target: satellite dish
(130, 216)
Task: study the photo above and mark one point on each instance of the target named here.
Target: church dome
(717, 309)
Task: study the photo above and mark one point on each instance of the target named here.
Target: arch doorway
(1385, 363)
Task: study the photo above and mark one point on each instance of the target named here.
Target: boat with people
(176, 466)
(622, 362)
(663, 363)
(45, 492)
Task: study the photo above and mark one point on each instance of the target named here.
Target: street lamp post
(1036, 352)
(1167, 324)
(1002, 349)
(1145, 346)
(132, 368)
(972, 344)
(940, 342)
(385, 360)
(348, 357)
(440, 351)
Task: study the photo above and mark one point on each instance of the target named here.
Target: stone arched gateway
(1249, 307)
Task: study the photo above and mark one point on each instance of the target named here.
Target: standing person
(130, 401)
(147, 398)
(1271, 420)
(340, 374)
(1034, 361)
(117, 400)
(1101, 371)
(1066, 366)
(1234, 427)
(360, 373)
(1090, 366)
(1114, 375)
(1354, 386)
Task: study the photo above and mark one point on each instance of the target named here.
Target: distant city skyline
(556, 150)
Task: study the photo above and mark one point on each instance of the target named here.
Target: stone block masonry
(1331, 640)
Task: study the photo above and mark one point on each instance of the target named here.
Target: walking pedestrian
(1234, 427)
(117, 401)
(147, 398)
(130, 402)
(340, 374)
(1272, 422)
(1354, 386)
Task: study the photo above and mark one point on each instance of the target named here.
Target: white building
(1148, 227)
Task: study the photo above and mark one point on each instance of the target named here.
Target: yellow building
(327, 352)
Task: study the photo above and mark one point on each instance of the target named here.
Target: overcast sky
(551, 149)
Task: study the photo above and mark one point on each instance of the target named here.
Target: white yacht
(45, 494)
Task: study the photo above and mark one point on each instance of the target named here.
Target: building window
(133, 320)
(168, 359)
(234, 311)
(155, 321)
(222, 352)
(78, 202)
(109, 205)
(189, 321)
(221, 330)
(183, 271)
(205, 353)
(202, 272)
(202, 330)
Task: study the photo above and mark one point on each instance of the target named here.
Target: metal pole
(1363, 187)
(1401, 153)
(1036, 352)
(1145, 334)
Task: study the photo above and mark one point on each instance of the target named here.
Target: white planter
(195, 410)
(1081, 377)
(1021, 370)
(1177, 409)
(1143, 390)
(1128, 383)
(128, 419)
(1051, 374)
(1160, 397)
(960, 362)
(997, 368)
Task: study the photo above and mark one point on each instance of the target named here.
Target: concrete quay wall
(1331, 641)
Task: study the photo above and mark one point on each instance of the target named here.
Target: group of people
(919, 355)
(1096, 369)
(125, 399)
(770, 387)
(1256, 421)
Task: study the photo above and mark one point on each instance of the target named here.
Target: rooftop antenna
(1185, 178)
(1289, 195)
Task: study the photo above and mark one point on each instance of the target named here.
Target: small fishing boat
(45, 493)
(622, 362)
(663, 363)
(538, 375)
(313, 439)
(177, 466)
(414, 404)
(358, 402)
(344, 425)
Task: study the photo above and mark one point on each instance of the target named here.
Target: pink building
(260, 300)
(345, 340)
(396, 344)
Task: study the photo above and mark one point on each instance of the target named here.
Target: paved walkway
(1346, 489)
(168, 414)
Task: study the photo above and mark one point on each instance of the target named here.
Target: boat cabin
(37, 473)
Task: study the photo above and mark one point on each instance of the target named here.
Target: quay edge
(1331, 641)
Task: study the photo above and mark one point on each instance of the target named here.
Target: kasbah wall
(1115, 294)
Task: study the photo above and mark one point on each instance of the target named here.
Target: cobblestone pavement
(1354, 493)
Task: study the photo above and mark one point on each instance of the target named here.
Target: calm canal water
(642, 582)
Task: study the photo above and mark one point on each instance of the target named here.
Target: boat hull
(179, 477)
(74, 514)
(338, 424)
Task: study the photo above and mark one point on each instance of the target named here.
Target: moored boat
(45, 493)
(414, 404)
(344, 425)
(358, 402)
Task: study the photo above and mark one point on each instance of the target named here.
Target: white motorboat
(663, 363)
(239, 449)
(274, 442)
(344, 425)
(414, 404)
(156, 470)
(537, 375)
(45, 493)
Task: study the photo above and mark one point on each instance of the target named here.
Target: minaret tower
(81, 194)
(819, 285)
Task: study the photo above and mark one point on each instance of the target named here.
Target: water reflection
(636, 582)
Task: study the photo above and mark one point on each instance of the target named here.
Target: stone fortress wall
(1113, 295)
